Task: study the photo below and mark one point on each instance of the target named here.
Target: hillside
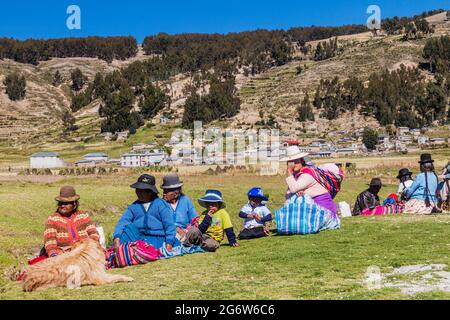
(35, 121)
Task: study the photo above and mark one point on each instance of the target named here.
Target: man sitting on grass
(369, 198)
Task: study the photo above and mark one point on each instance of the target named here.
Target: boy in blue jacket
(149, 218)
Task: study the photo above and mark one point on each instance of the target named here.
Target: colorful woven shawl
(329, 180)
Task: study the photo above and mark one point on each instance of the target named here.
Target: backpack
(329, 180)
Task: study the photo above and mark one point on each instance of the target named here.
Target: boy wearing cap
(214, 223)
(256, 214)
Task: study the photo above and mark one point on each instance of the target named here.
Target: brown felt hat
(67, 194)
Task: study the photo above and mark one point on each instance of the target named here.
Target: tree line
(32, 51)
(399, 25)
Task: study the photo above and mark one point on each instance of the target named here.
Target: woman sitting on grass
(309, 206)
(65, 227)
(422, 193)
(182, 208)
(68, 224)
(149, 218)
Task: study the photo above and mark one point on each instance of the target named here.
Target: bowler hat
(145, 182)
(425, 158)
(171, 181)
(376, 182)
(67, 194)
(404, 172)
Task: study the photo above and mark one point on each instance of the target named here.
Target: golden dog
(83, 265)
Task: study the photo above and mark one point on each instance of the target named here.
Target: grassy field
(329, 265)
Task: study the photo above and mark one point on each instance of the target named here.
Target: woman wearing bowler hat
(68, 224)
(182, 207)
(422, 193)
(149, 218)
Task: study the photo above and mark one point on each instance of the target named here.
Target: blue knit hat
(257, 193)
(211, 195)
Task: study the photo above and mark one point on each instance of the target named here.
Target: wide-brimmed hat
(171, 181)
(145, 182)
(375, 182)
(67, 194)
(425, 158)
(257, 193)
(211, 195)
(293, 153)
(403, 172)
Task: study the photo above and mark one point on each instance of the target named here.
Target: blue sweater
(417, 189)
(184, 212)
(157, 221)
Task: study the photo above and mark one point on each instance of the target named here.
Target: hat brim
(260, 197)
(204, 202)
(404, 175)
(173, 186)
(67, 199)
(144, 186)
(427, 161)
(294, 157)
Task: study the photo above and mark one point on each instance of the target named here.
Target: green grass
(329, 265)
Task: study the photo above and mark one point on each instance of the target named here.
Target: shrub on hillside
(15, 86)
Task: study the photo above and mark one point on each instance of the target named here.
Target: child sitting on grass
(256, 214)
(213, 224)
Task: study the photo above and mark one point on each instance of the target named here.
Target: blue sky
(47, 18)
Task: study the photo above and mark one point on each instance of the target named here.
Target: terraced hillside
(36, 119)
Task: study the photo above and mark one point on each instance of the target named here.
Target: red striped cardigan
(62, 232)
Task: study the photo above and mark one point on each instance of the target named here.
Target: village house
(92, 159)
(415, 132)
(346, 151)
(405, 139)
(142, 159)
(438, 141)
(401, 131)
(46, 160)
(96, 156)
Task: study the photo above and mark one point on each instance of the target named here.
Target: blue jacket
(157, 221)
(417, 189)
(184, 212)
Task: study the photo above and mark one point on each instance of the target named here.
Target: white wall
(46, 162)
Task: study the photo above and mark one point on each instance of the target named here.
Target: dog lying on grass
(83, 265)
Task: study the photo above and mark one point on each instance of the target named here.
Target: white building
(402, 131)
(45, 160)
(142, 159)
(97, 157)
